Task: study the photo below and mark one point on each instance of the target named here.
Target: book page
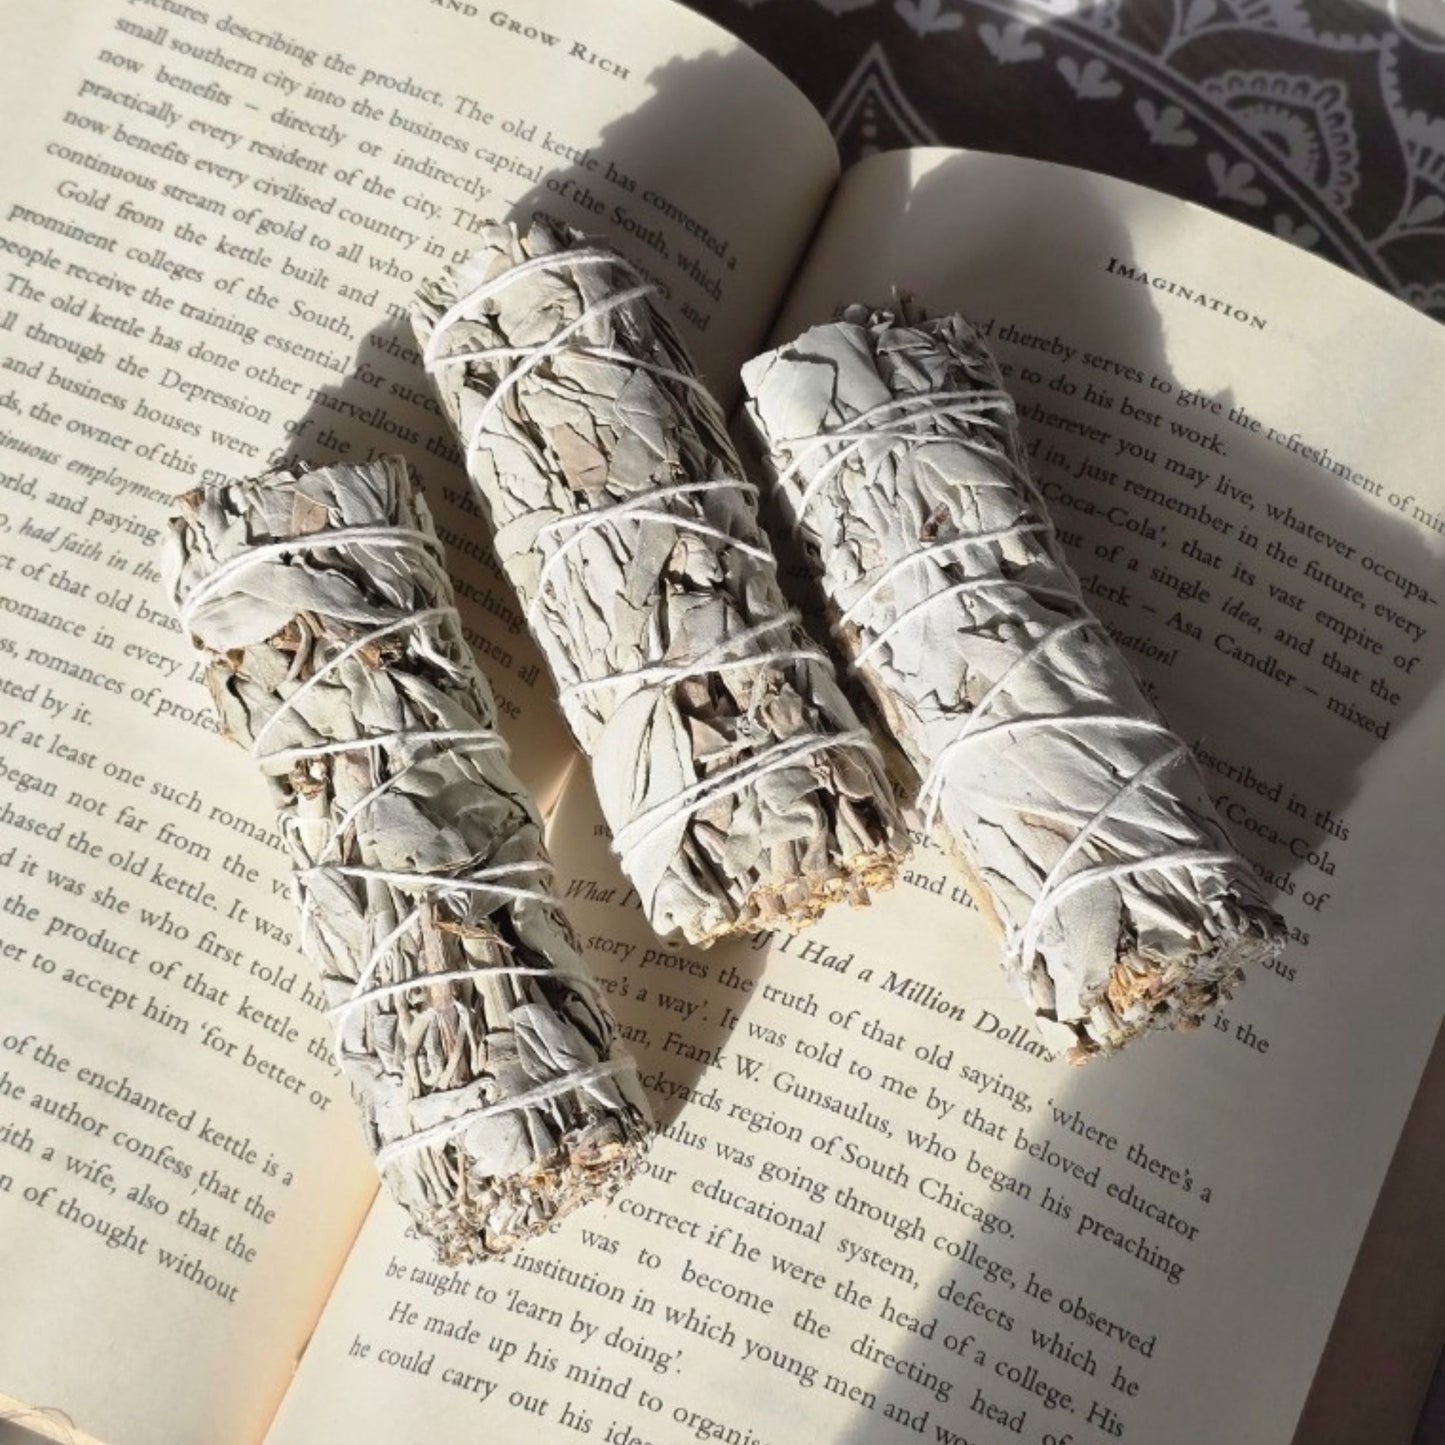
(1377, 1368)
(880, 1211)
(214, 218)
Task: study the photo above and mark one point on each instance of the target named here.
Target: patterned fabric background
(1322, 121)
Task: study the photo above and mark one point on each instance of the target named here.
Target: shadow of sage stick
(493, 1089)
(1082, 823)
(741, 789)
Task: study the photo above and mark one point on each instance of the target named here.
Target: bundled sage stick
(1082, 823)
(492, 1087)
(741, 790)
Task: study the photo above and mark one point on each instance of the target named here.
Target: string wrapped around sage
(492, 1087)
(740, 788)
(1082, 823)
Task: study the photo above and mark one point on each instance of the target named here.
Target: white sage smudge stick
(492, 1087)
(741, 789)
(1083, 824)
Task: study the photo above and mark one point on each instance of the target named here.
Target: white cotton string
(582, 349)
(477, 739)
(384, 536)
(485, 881)
(442, 883)
(387, 629)
(937, 405)
(338, 829)
(533, 355)
(338, 838)
(390, 538)
(485, 290)
(1062, 722)
(923, 405)
(1057, 885)
(858, 432)
(716, 659)
(354, 812)
(374, 959)
(731, 781)
(891, 435)
(932, 787)
(973, 584)
(640, 508)
(438, 1134)
(474, 974)
(480, 737)
(362, 992)
(554, 344)
(471, 740)
(1155, 862)
(934, 550)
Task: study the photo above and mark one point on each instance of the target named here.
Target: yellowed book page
(213, 219)
(880, 1211)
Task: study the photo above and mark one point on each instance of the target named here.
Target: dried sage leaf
(1083, 824)
(740, 787)
(492, 1087)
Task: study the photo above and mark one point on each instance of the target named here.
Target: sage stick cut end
(493, 1089)
(1082, 823)
(740, 787)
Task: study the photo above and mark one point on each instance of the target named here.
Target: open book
(879, 1211)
